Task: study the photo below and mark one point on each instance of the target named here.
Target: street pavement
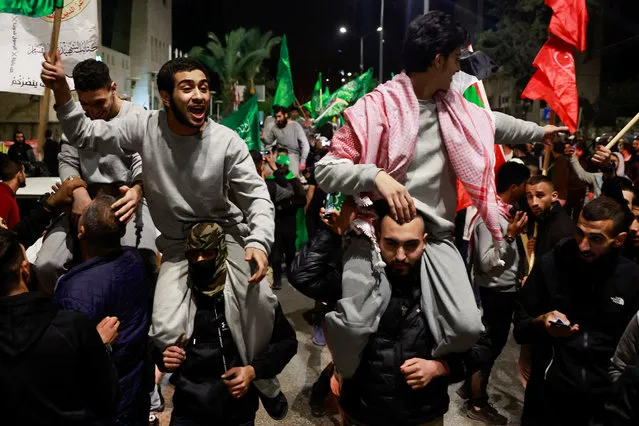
(505, 390)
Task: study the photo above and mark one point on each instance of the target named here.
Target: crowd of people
(163, 246)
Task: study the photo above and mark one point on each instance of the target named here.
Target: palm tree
(238, 59)
(254, 41)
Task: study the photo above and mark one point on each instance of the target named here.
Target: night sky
(312, 31)
(315, 44)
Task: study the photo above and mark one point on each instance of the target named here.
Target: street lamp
(349, 74)
(343, 30)
(343, 80)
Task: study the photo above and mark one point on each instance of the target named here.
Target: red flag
(555, 81)
(463, 199)
(569, 21)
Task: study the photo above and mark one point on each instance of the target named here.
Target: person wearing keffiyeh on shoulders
(407, 142)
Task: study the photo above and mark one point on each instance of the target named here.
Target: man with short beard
(98, 97)
(13, 177)
(574, 308)
(398, 382)
(553, 223)
(289, 134)
(22, 152)
(194, 170)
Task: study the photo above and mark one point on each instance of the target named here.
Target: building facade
(135, 40)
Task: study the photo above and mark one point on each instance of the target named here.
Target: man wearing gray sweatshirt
(98, 97)
(193, 167)
(498, 284)
(289, 135)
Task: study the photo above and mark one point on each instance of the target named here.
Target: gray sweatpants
(249, 308)
(58, 245)
(447, 302)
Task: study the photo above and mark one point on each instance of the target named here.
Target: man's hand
(3, 224)
(173, 357)
(108, 329)
(530, 245)
(402, 207)
(302, 167)
(517, 225)
(419, 372)
(259, 257)
(63, 195)
(556, 331)
(81, 200)
(238, 380)
(569, 150)
(270, 161)
(551, 130)
(125, 206)
(54, 77)
(602, 157)
(339, 222)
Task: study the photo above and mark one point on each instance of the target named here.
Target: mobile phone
(560, 324)
(231, 377)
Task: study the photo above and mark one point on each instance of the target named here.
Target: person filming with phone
(575, 306)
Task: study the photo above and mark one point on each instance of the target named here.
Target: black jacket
(317, 269)
(552, 229)
(200, 393)
(54, 369)
(601, 297)
(378, 393)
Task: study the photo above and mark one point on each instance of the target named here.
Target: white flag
(26, 39)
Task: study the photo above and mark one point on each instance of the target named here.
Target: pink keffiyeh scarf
(381, 129)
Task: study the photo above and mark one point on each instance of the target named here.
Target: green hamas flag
(326, 97)
(284, 95)
(246, 123)
(346, 95)
(308, 106)
(316, 100)
(33, 8)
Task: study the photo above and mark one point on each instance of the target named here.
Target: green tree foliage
(235, 59)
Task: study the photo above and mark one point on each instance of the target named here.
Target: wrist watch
(509, 239)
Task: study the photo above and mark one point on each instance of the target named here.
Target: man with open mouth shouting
(193, 167)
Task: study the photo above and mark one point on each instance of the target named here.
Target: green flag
(284, 95)
(326, 97)
(33, 8)
(246, 123)
(346, 95)
(316, 100)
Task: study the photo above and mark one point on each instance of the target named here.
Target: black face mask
(201, 273)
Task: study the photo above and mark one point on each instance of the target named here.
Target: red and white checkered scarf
(382, 129)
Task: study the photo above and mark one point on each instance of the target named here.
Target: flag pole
(45, 100)
(623, 132)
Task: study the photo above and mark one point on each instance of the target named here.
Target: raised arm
(511, 130)
(121, 137)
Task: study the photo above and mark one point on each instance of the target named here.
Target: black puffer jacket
(317, 269)
(378, 393)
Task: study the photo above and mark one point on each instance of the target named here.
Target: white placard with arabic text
(26, 39)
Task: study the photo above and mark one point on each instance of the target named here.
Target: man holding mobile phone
(575, 305)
